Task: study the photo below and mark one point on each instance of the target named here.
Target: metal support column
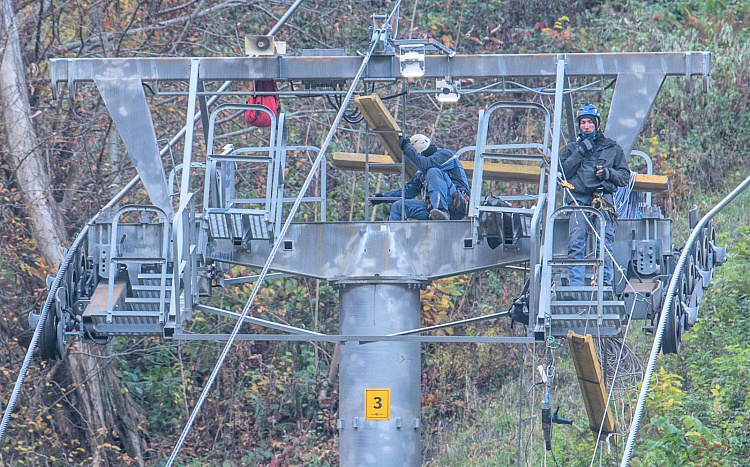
(379, 388)
(546, 283)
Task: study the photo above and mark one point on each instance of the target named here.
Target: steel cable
(240, 320)
(666, 309)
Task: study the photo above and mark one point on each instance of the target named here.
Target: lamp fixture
(411, 60)
(448, 90)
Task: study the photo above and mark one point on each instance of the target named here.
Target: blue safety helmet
(589, 110)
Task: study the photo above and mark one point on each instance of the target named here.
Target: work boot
(439, 215)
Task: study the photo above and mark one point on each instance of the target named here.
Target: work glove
(584, 147)
(374, 199)
(605, 174)
(402, 142)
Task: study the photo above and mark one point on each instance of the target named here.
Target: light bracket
(412, 60)
(448, 90)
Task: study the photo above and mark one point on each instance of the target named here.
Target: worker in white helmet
(441, 180)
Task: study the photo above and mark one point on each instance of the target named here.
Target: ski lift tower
(378, 267)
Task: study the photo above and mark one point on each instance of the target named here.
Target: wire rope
(68, 258)
(666, 309)
(232, 337)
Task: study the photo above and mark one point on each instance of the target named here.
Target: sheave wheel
(675, 325)
(52, 339)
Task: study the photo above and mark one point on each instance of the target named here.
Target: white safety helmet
(420, 142)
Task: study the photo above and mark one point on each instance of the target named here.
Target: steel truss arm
(383, 67)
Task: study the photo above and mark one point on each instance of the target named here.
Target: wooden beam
(591, 382)
(388, 130)
(493, 171)
(498, 171)
(653, 183)
(379, 163)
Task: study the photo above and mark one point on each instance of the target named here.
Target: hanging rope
(628, 201)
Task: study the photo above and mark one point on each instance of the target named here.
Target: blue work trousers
(413, 209)
(578, 232)
(440, 191)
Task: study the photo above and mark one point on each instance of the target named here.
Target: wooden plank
(493, 171)
(382, 163)
(381, 120)
(379, 163)
(498, 171)
(591, 382)
(653, 183)
(100, 296)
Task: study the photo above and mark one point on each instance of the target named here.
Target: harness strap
(603, 204)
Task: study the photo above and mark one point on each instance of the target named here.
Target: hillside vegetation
(277, 402)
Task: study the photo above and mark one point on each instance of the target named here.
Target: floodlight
(411, 60)
(447, 90)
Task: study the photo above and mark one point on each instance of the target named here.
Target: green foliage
(274, 401)
(688, 443)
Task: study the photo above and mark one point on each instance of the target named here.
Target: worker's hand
(584, 147)
(602, 173)
(402, 142)
(374, 199)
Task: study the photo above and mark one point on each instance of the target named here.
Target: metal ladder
(138, 260)
(511, 152)
(262, 218)
(587, 309)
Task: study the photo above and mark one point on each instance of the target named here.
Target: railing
(184, 271)
(118, 256)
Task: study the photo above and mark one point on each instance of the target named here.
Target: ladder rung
(142, 300)
(513, 156)
(144, 275)
(587, 303)
(604, 331)
(126, 314)
(587, 317)
(237, 157)
(140, 259)
(509, 210)
(575, 262)
(148, 288)
(519, 197)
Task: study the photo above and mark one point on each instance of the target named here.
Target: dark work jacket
(579, 165)
(444, 160)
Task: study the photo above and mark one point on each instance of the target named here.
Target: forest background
(275, 404)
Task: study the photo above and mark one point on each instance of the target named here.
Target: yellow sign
(377, 404)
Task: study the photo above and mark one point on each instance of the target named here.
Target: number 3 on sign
(377, 404)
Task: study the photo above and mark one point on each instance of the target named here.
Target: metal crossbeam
(287, 67)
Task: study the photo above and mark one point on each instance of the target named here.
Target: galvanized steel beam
(385, 67)
(387, 250)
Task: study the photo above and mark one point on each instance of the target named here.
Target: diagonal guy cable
(666, 309)
(272, 254)
(81, 235)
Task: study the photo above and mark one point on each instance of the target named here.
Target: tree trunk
(100, 400)
(31, 174)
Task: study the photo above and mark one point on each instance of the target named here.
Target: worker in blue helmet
(595, 166)
(441, 180)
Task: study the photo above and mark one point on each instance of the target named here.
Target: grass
(488, 434)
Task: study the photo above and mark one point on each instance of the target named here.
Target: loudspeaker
(259, 45)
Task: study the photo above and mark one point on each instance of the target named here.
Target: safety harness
(603, 204)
